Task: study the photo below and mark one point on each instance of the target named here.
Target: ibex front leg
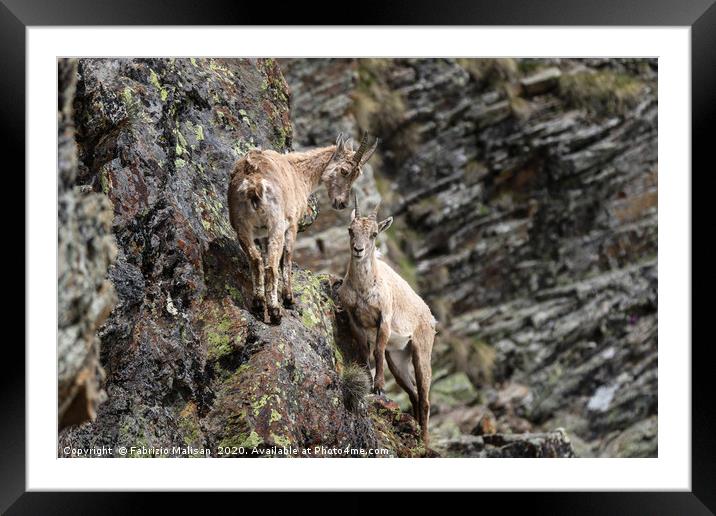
(275, 250)
(381, 341)
(287, 266)
(361, 341)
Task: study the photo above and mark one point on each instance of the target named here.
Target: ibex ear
(385, 224)
(353, 215)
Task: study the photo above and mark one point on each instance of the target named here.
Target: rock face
(549, 445)
(525, 203)
(321, 108)
(525, 196)
(85, 250)
(186, 364)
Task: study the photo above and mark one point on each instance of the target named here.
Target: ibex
(388, 317)
(268, 195)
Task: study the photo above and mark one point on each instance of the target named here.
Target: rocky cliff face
(525, 196)
(85, 250)
(186, 363)
(525, 203)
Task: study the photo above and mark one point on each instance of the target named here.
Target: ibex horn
(374, 213)
(358, 156)
(355, 200)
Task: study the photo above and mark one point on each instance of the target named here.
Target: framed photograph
(427, 237)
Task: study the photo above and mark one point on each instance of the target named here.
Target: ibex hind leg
(399, 363)
(256, 265)
(423, 377)
(286, 267)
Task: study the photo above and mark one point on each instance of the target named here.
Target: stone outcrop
(85, 250)
(525, 196)
(525, 202)
(186, 363)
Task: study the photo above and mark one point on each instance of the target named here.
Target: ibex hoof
(275, 314)
(378, 391)
(288, 302)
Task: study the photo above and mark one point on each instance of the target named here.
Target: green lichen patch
(188, 423)
(454, 389)
(311, 292)
(224, 329)
(199, 133)
(394, 429)
(211, 211)
(105, 182)
(251, 404)
(154, 81)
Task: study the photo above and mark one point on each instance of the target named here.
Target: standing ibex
(268, 195)
(387, 315)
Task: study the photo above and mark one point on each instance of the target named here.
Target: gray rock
(187, 364)
(541, 82)
(527, 220)
(86, 249)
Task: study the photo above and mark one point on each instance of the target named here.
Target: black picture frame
(700, 15)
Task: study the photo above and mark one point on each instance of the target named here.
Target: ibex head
(364, 230)
(344, 168)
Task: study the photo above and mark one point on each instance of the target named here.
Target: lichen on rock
(187, 364)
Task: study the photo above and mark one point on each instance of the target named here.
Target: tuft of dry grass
(602, 93)
(490, 73)
(355, 385)
(474, 357)
(379, 108)
(482, 362)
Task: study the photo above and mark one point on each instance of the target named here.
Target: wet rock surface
(525, 196)
(85, 250)
(549, 445)
(186, 363)
(525, 216)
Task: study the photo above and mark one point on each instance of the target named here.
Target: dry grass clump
(376, 106)
(355, 385)
(489, 73)
(474, 357)
(602, 93)
(381, 110)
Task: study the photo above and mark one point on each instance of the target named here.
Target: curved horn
(361, 149)
(355, 200)
(370, 151)
(374, 213)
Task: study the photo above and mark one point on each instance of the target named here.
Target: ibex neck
(311, 164)
(361, 273)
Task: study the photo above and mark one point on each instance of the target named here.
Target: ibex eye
(374, 235)
(344, 172)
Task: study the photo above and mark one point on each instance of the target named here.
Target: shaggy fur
(268, 195)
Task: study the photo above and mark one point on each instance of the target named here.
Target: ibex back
(268, 195)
